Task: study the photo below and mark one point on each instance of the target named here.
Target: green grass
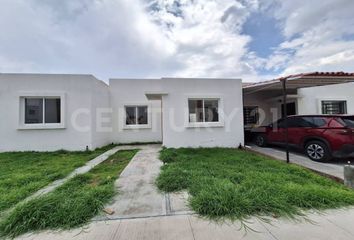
(71, 205)
(236, 184)
(23, 173)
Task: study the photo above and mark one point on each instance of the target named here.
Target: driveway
(138, 195)
(334, 169)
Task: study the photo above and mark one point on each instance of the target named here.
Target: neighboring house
(308, 93)
(45, 112)
(333, 99)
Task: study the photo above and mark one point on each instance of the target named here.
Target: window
(203, 110)
(318, 122)
(348, 121)
(251, 115)
(42, 110)
(334, 107)
(292, 122)
(290, 109)
(136, 115)
(302, 122)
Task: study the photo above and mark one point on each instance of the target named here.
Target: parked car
(322, 137)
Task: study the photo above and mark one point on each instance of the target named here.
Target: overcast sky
(252, 39)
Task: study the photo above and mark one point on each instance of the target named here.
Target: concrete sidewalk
(138, 195)
(331, 169)
(332, 225)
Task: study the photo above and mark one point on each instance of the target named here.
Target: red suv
(322, 137)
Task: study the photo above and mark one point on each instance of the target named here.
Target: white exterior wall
(93, 113)
(310, 98)
(176, 129)
(77, 91)
(132, 92)
(101, 115)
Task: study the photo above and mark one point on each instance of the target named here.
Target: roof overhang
(294, 83)
(155, 95)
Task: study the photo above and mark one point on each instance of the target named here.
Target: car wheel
(318, 151)
(261, 140)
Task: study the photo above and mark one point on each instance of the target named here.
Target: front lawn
(23, 173)
(236, 184)
(72, 204)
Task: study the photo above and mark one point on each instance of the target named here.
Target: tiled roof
(328, 74)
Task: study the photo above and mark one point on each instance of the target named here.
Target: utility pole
(285, 109)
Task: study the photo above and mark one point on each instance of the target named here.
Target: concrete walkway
(331, 169)
(138, 195)
(334, 225)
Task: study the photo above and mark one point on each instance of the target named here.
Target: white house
(309, 93)
(45, 112)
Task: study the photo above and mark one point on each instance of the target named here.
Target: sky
(254, 40)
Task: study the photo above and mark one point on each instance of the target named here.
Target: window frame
(43, 95)
(321, 101)
(219, 123)
(137, 126)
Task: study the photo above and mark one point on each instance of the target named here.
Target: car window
(294, 122)
(318, 122)
(349, 121)
(301, 122)
(305, 122)
(280, 123)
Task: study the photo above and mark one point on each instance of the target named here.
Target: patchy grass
(71, 205)
(23, 173)
(235, 184)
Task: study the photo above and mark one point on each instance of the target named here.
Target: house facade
(46, 112)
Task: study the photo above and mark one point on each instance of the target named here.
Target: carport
(263, 101)
(266, 102)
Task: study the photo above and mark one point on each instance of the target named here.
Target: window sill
(40, 126)
(205, 125)
(141, 126)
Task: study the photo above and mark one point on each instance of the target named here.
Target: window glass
(251, 115)
(203, 110)
(52, 110)
(211, 110)
(142, 115)
(294, 122)
(279, 124)
(136, 115)
(130, 115)
(306, 122)
(349, 121)
(334, 107)
(195, 110)
(318, 122)
(33, 110)
(192, 106)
